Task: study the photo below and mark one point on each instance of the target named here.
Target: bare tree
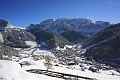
(1, 57)
(48, 62)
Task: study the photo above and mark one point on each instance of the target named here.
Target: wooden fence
(58, 74)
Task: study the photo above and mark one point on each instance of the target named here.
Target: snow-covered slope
(36, 61)
(75, 70)
(63, 24)
(13, 36)
(10, 70)
(35, 49)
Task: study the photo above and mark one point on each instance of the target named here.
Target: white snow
(1, 38)
(103, 75)
(68, 46)
(38, 51)
(76, 70)
(77, 24)
(65, 47)
(43, 52)
(10, 70)
(31, 43)
(32, 63)
(20, 27)
(44, 77)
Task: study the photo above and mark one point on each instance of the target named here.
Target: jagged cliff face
(14, 36)
(77, 24)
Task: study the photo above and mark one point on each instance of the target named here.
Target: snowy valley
(36, 60)
(68, 59)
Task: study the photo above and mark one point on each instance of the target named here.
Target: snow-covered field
(11, 70)
(44, 77)
(101, 75)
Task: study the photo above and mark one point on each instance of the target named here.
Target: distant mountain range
(74, 30)
(63, 24)
(56, 32)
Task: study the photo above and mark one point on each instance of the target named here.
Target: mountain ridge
(72, 27)
(61, 25)
(14, 36)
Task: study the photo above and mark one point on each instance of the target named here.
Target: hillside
(7, 51)
(51, 39)
(74, 36)
(14, 36)
(105, 45)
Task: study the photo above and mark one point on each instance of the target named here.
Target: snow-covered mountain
(13, 36)
(5, 24)
(63, 24)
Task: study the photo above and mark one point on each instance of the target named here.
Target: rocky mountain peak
(14, 36)
(5, 24)
(103, 24)
(61, 25)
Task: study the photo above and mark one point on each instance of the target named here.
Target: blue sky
(24, 12)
